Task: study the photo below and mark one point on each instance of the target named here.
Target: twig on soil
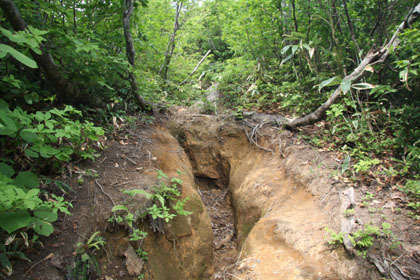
(402, 255)
(103, 160)
(102, 189)
(122, 184)
(49, 256)
(129, 159)
(145, 140)
(325, 196)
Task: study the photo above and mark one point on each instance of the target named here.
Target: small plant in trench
(165, 206)
(86, 263)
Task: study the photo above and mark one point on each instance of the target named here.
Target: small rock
(133, 264)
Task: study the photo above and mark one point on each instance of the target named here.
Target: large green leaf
(7, 125)
(26, 179)
(330, 82)
(6, 170)
(18, 56)
(345, 85)
(11, 221)
(42, 227)
(48, 151)
(46, 214)
(31, 153)
(28, 136)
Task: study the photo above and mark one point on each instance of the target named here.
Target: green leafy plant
(363, 239)
(365, 165)
(52, 134)
(335, 238)
(22, 210)
(86, 263)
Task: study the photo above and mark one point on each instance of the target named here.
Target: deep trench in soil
(218, 202)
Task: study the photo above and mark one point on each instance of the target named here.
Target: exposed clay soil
(279, 202)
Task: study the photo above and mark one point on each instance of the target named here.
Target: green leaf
(286, 59)
(294, 49)
(28, 136)
(46, 214)
(362, 86)
(48, 151)
(345, 85)
(42, 227)
(5, 263)
(345, 164)
(386, 225)
(119, 207)
(31, 153)
(330, 82)
(18, 56)
(11, 221)
(3, 105)
(6, 170)
(7, 125)
(26, 179)
(285, 49)
(62, 156)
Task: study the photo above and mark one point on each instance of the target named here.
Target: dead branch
(196, 67)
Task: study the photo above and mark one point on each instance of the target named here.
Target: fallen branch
(196, 67)
(373, 57)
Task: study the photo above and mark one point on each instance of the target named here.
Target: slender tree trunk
(163, 72)
(131, 54)
(351, 28)
(294, 15)
(66, 91)
(372, 58)
(74, 17)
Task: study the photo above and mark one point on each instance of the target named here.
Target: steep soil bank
(130, 161)
(282, 200)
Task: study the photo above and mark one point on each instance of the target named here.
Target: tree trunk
(372, 58)
(163, 72)
(66, 91)
(351, 28)
(131, 54)
(294, 15)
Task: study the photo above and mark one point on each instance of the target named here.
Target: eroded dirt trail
(219, 207)
(256, 215)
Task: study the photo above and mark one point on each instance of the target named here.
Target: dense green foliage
(277, 56)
